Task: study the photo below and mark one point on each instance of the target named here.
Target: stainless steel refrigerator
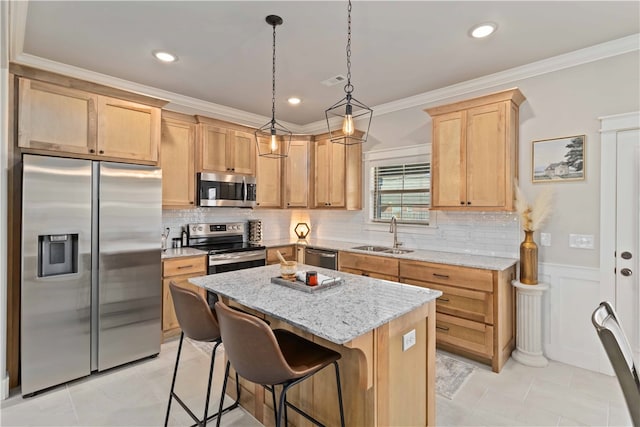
(91, 289)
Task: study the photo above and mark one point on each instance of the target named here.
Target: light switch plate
(545, 239)
(581, 241)
(408, 340)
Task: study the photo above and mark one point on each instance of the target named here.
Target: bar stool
(197, 322)
(272, 357)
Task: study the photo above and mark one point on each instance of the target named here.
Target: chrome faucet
(393, 228)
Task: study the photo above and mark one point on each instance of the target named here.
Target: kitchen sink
(383, 249)
(397, 251)
(372, 248)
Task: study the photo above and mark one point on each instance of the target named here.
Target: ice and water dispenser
(57, 254)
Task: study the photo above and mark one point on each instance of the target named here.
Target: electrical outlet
(545, 239)
(581, 241)
(408, 340)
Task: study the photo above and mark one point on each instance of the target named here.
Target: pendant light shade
(273, 139)
(348, 109)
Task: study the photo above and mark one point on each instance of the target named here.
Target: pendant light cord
(348, 88)
(273, 81)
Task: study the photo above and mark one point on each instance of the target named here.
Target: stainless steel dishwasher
(321, 258)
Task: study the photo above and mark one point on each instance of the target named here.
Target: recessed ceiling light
(294, 101)
(164, 56)
(483, 30)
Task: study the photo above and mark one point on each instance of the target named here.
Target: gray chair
(620, 355)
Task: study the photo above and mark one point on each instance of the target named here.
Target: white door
(627, 251)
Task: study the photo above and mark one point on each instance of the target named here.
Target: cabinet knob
(101, 151)
(233, 169)
(288, 204)
(92, 150)
(468, 203)
(257, 203)
(191, 202)
(461, 202)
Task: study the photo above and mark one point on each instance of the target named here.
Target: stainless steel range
(227, 247)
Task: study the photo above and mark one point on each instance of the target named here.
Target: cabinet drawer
(472, 305)
(368, 263)
(179, 266)
(465, 277)
(369, 274)
(465, 334)
(288, 252)
(169, 319)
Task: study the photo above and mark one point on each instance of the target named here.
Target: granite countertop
(338, 314)
(450, 258)
(181, 252)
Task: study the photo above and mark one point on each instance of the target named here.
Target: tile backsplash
(479, 233)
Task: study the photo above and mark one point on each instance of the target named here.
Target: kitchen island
(385, 381)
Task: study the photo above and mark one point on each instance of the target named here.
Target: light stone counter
(450, 258)
(338, 314)
(181, 252)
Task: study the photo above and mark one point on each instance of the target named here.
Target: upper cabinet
(268, 180)
(83, 124)
(475, 152)
(225, 148)
(177, 160)
(296, 173)
(338, 174)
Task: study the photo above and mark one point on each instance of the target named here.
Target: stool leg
(206, 403)
(286, 416)
(339, 393)
(173, 381)
(281, 406)
(224, 390)
(273, 396)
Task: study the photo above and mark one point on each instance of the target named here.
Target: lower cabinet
(288, 252)
(179, 270)
(378, 267)
(475, 316)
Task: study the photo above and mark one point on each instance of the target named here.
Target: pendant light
(273, 139)
(349, 108)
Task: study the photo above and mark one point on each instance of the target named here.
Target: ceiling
(399, 48)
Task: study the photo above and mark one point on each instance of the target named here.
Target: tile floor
(136, 395)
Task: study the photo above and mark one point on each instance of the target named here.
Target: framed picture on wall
(558, 159)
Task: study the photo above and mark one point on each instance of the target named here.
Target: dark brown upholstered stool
(272, 357)
(197, 322)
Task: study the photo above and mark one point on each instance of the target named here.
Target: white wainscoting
(568, 334)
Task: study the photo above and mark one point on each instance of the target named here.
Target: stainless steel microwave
(217, 189)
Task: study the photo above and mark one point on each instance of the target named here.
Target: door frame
(609, 128)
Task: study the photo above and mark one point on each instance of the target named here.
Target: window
(401, 190)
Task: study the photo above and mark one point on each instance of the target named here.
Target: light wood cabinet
(177, 160)
(288, 252)
(475, 152)
(378, 267)
(476, 312)
(224, 147)
(337, 174)
(82, 124)
(179, 270)
(296, 176)
(268, 180)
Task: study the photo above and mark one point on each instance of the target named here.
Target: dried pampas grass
(533, 216)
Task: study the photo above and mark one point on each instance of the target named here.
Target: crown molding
(17, 26)
(583, 56)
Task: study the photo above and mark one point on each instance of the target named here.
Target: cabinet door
(296, 175)
(169, 319)
(448, 160)
(213, 148)
(322, 169)
(128, 130)
(337, 176)
(243, 153)
(268, 179)
(177, 158)
(56, 118)
(486, 155)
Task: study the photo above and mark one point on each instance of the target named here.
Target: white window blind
(403, 191)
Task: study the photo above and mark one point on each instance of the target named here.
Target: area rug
(451, 373)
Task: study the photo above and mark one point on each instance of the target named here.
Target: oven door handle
(221, 259)
(244, 190)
